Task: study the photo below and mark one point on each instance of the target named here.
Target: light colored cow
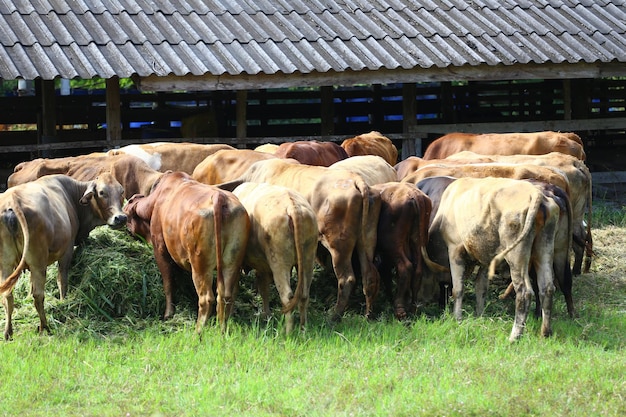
(483, 221)
(41, 221)
(283, 235)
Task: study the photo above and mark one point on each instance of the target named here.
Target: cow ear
(89, 192)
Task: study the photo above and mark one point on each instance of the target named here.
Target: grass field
(111, 355)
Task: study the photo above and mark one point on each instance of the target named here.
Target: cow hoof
(401, 314)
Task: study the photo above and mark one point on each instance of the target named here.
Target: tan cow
(198, 228)
(267, 148)
(515, 171)
(174, 156)
(227, 165)
(41, 221)
(283, 235)
(77, 167)
(483, 221)
(580, 193)
(373, 169)
(372, 143)
(347, 213)
(133, 173)
(533, 143)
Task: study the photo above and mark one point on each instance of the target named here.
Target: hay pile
(112, 275)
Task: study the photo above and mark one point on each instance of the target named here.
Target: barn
(246, 72)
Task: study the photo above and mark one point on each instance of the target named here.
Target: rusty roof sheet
(88, 38)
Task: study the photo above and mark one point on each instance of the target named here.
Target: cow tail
(588, 238)
(298, 241)
(218, 204)
(364, 190)
(533, 210)
(12, 279)
(430, 264)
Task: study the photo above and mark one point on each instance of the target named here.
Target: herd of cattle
(416, 225)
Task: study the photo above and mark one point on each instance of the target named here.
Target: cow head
(138, 217)
(106, 196)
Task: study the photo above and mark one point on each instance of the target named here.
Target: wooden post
(48, 127)
(327, 112)
(567, 99)
(241, 114)
(113, 112)
(412, 146)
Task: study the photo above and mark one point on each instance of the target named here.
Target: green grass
(111, 355)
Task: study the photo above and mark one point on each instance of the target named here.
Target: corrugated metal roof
(87, 38)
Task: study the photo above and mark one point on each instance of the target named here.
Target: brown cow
(174, 156)
(401, 240)
(196, 227)
(580, 184)
(283, 235)
(41, 221)
(373, 169)
(347, 212)
(311, 152)
(372, 143)
(534, 143)
(482, 221)
(227, 165)
(133, 173)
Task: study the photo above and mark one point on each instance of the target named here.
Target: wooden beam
(48, 122)
(382, 76)
(495, 127)
(113, 111)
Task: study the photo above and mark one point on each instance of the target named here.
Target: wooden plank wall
(291, 113)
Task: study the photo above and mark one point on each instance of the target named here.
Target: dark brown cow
(372, 143)
(534, 143)
(311, 152)
(482, 221)
(134, 174)
(41, 221)
(227, 165)
(401, 241)
(196, 227)
(434, 286)
(347, 214)
(283, 235)
(174, 156)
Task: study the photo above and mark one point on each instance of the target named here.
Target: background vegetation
(111, 355)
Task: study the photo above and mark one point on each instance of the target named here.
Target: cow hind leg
(8, 303)
(38, 281)
(64, 269)
(523, 297)
(203, 282)
(546, 288)
(481, 286)
(226, 293)
(346, 280)
(403, 299)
